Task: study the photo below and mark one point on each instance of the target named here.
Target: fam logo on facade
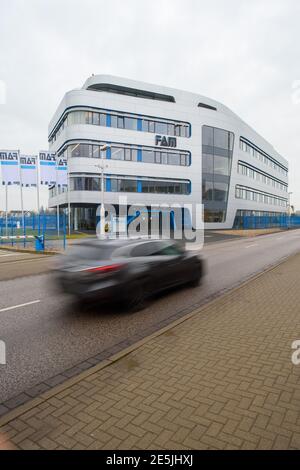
(164, 141)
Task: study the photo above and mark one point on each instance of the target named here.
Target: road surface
(44, 337)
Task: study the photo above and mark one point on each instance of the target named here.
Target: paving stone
(222, 379)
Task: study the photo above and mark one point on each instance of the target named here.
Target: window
(102, 119)
(148, 156)
(96, 119)
(184, 131)
(130, 123)
(177, 130)
(145, 126)
(207, 163)
(164, 158)
(220, 191)
(174, 159)
(207, 190)
(117, 153)
(114, 121)
(165, 187)
(161, 128)
(88, 118)
(214, 216)
(221, 139)
(221, 165)
(120, 121)
(151, 126)
(184, 160)
(127, 154)
(74, 150)
(134, 155)
(128, 186)
(171, 129)
(84, 150)
(90, 151)
(96, 151)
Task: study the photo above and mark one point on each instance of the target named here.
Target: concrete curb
(33, 252)
(22, 409)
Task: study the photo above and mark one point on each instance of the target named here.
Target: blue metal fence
(264, 222)
(40, 232)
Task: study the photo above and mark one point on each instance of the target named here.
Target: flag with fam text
(10, 167)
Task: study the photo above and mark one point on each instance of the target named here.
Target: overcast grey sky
(240, 52)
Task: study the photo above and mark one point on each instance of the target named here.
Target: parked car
(127, 271)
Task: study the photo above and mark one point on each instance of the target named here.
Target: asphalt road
(45, 337)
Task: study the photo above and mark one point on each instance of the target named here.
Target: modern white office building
(164, 146)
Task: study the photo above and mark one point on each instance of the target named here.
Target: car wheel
(135, 300)
(197, 277)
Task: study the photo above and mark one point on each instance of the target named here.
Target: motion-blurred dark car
(126, 271)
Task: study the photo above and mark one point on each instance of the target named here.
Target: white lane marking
(19, 306)
(251, 246)
(9, 254)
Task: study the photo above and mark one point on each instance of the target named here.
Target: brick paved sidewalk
(220, 379)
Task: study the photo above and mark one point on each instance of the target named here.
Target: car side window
(146, 249)
(170, 250)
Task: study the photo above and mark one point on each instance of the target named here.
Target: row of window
(129, 153)
(121, 121)
(258, 176)
(130, 185)
(253, 195)
(244, 213)
(246, 147)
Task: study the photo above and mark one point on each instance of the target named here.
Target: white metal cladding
(184, 109)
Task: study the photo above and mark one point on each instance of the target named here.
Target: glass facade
(122, 121)
(131, 153)
(217, 151)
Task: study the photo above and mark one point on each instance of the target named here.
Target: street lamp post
(103, 148)
(289, 209)
(290, 193)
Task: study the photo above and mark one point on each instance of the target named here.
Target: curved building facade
(163, 146)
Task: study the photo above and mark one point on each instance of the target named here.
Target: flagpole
(57, 207)
(21, 192)
(69, 202)
(38, 190)
(38, 185)
(57, 216)
(6, 209)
